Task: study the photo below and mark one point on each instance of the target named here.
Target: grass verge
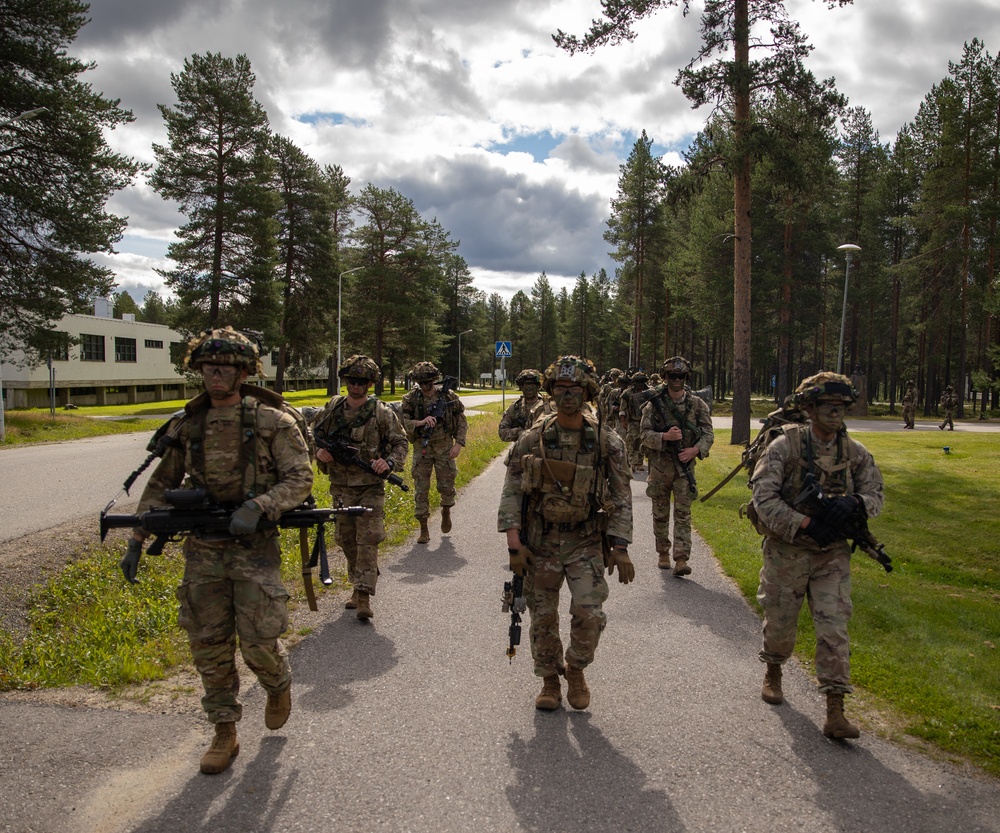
(24, 427)
(924, 638)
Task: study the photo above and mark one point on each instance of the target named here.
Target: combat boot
(225, 746)
(681, 567)
(664, 562)
(771, 692)
(352, 603)
(364, 606)
(837, 725)
(278, 707)
(425, 533)
(551, 694)
(577, 692)
(446, 519)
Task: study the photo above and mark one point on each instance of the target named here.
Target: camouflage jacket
(910, 398)
(608, 489)
(373, 429)
(690, 415)
(843, 466)
(949, 400)
(452, 429)
(518, 418)
(237, 452)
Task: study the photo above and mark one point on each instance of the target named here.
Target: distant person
(523, 412)
(676, 431)
(445, 439)
(949, 401)
(236, 442)
(632, 412)
(371, 427)
(909, 404)
(561, 472)
(805, 554)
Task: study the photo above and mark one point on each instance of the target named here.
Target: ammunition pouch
(562, 488)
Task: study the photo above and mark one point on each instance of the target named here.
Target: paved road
(418, 722)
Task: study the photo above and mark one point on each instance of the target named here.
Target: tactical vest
(565, 484)
(664, 409)
(338, 424)
(420, 411)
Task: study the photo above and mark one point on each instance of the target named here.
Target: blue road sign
(503, 349)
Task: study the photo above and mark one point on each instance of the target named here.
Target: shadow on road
(570, 779)
(723, 614)
(426, 562)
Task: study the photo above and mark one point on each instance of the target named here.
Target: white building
(116, 362)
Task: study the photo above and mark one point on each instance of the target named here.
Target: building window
(124, 349)
(154, 345)
(91, 348)
(60, 353)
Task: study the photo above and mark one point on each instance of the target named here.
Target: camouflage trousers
(579, 559)
(949, 418)
(791, 574)
(230, 590)
(908, 413)
(360, 536)
(445, 469)
(633, 445)
(664, 481)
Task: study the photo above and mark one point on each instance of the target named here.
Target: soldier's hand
(245, 519)
(821, 532)
(521, 560)
(840, 510)
(626, 570)
(130, 561)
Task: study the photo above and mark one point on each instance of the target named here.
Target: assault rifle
(658, 396)
(513, 601)
(343, 452)
(813, 497)
(437, 409)
(191, 511)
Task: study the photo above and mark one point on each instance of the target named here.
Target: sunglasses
(354, 380)
(676, 375)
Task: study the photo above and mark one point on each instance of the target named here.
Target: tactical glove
(130, 561)
(840, 510)
(626, 570)
(821, 532)
(244, 520)
(521, 560)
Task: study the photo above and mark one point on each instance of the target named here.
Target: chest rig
(249, 481)
(562, 478)
(829, 464)
(342, 424)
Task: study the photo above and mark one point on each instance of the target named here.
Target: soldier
(445, 441)
(949, 401)
(909, 404)
(805, 555)
(676, 430)
(633, 420)
(238, 443)
(610, 383)
(567, 487)
(522, 413)
(615, 415)
(372, 427)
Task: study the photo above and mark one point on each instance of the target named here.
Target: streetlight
(340, 287)
(847, 248)
(466, 332)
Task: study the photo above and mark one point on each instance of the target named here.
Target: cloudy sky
(467, 107)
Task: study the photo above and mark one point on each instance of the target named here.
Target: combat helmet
(572, 369)
(827, 384)
(425, 372)
(529, 374)
(639, 377)
(911, 384)
(223, 346)
(676, 364)
(359, 367)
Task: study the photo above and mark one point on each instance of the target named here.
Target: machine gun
(437, 409)
(344, 452)
(855, 527)
(191, 511)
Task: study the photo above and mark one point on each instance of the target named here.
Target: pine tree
(56, 173)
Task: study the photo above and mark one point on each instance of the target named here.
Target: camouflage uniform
(435, 455)
(949, 401)
(375, 431)
(232, 587)
(564, 531)
(795, 567)
(909, 405)
(633, 421)
(665, 476)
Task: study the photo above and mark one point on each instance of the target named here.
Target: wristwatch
(617, 543)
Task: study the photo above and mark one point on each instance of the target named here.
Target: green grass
(925, 639)
(24, 427)
(88, 626)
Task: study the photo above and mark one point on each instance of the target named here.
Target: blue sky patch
(332, 118)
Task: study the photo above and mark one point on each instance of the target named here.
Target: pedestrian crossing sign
(503, 349)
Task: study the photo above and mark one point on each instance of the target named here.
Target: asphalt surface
(418, 722)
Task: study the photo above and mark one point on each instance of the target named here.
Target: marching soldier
(523, 412)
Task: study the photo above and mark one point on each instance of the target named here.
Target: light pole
(466, 332)
(340, 288)
(847, 248)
